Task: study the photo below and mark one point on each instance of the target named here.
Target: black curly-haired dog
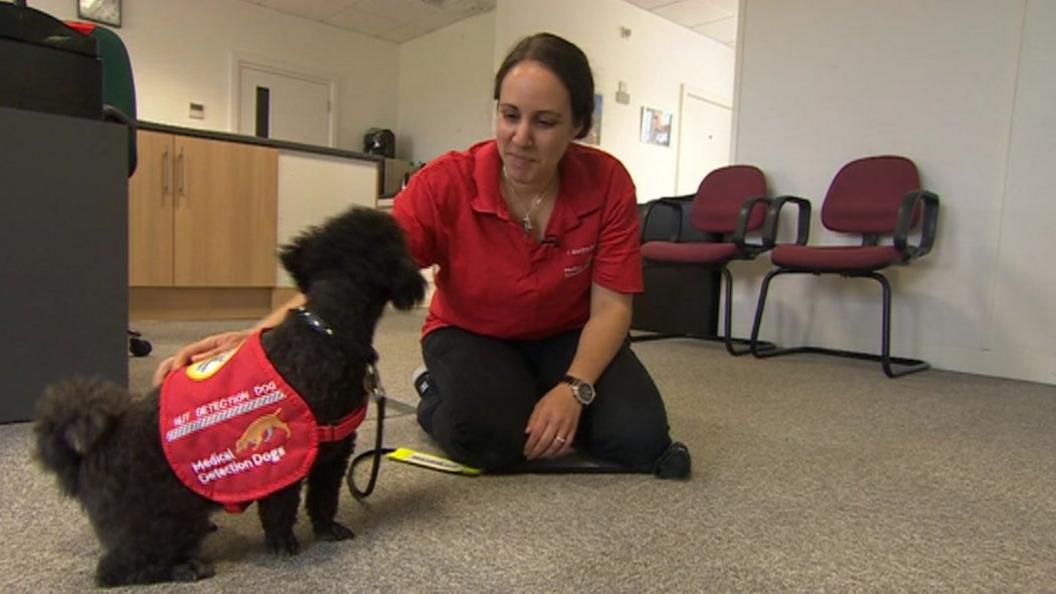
(104, 445)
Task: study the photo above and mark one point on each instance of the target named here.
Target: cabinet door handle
(181, 175)
(166, 173)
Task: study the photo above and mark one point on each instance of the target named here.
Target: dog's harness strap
(343, 428)
(347, 425)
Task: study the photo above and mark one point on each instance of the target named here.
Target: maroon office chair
(870, 197)
(730, 202)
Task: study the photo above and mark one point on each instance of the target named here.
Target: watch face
(100, 11)
(581, 390)
(584, 393)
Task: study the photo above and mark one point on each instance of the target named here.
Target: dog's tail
(72, 418)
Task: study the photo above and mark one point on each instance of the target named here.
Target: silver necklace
(526, 220)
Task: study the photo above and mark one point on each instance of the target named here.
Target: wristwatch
(581, 390)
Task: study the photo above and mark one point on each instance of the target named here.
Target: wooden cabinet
(202, 213)
(150, 209)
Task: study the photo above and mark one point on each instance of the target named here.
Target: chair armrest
(741, 229)
(774, 213)
(113, 114)
(671, 203)
(930, 221)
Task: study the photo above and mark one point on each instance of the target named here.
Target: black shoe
(421, 381)
(423, 385)
(674, 463)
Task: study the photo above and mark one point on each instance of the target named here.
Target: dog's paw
(333, 532)
(285, 544)
(192, 571)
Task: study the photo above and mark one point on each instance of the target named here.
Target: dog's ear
(82, 432)
(408, 286)
(297, 260)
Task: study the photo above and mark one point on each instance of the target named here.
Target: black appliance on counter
(380, 141)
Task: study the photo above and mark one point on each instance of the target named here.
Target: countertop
(278, 144)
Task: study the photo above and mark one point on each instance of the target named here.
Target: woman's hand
(552, 426)
(197, 351)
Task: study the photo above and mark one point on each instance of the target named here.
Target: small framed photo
(107, 12)
(656, 126)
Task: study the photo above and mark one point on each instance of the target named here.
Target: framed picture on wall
(107, 12)
(656, 126)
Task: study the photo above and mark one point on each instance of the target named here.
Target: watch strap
(571, 379)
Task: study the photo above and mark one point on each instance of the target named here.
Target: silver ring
(560, 440)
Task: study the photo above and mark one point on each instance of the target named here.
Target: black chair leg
(727, 278)
(727, 317)
(905, 365)
(137, 345)
(724, 336)
(753, 342)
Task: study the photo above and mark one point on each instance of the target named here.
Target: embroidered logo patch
(206, 369)
(585, 254)
(262, 431)
(571, 271)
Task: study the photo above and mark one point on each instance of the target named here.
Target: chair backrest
(721, 195)
(865, 195)
(119, 89)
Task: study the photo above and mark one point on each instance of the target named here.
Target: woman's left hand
(552, 426)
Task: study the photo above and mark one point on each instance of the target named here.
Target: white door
(284, 106)
(703, 138)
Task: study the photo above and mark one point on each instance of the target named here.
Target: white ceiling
(403, 20)
(716, 19)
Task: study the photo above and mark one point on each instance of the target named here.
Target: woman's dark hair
(567, 62)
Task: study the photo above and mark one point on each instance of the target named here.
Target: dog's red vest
(234, 431)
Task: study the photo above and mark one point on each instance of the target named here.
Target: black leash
(378, 395)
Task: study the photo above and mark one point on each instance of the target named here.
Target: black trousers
(484, 389)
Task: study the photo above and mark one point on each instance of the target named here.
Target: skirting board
(172, 303)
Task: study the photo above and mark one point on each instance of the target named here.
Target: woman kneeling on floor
(536, 244)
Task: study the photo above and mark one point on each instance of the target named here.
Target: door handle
(181, 176)
(166, 173)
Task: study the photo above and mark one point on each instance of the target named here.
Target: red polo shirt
(496, 280)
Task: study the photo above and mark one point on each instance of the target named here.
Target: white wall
(445, 89)
(943, 82)
(435, 91)
(654, 62)
(182, 52)
(1018, 330)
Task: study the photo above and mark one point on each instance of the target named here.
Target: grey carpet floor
(811, 474)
